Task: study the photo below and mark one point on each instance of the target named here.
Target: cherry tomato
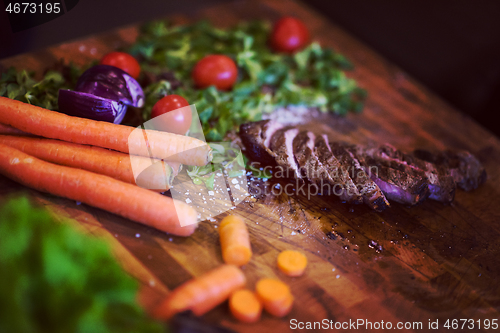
(289, 35)
(124, 61)
(218, 70)
(170, 115)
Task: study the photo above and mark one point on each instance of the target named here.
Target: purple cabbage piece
(112, 83)
(85, 105)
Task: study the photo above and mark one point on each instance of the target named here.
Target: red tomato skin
(216, 69)
(124, 61)
(289, 35)
(174, 117)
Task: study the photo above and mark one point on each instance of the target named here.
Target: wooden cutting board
(420, 264)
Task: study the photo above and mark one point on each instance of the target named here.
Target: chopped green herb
(225, 158)
(313, 77)
(21, 85)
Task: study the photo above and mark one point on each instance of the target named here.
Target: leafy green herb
(313, 77)
(225, 158)
(21, 85)
(55, 279)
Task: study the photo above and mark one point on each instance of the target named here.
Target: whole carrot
(157, 176)
(203, 293)
(234, 241)
(54, 125)
(129, 201)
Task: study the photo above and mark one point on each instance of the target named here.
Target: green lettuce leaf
(55, 279)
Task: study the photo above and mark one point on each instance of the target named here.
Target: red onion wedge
(90, 106)
(112, 83)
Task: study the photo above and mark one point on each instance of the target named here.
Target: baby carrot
(234, 241)
(54, 125)
(99, 160)
(275, 296)
(292, 263)
(99, 191)
(245, 306)
(203, 293)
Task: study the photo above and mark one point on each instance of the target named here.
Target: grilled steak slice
(368, 189)
(311, 168)
(256, 138)
(441, 184)
(303, 146)
(396, 185)
(337, 175)
(281, 144)
(358, 174)
(464, 167)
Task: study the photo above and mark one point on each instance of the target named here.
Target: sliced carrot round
(275, 296)
(271, 290)
(280, 309)
(245, 306)
(292, 263)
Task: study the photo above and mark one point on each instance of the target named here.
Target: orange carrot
(203, 293)
(275, 296)
(99, 191)
(282, 308)
(99, 160)
(245, 306)
(234, 241)
(292, 263)
(155, 144)
(4, 129)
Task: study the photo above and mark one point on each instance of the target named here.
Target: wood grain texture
(436, 261)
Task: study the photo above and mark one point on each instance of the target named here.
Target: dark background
(451, 46)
